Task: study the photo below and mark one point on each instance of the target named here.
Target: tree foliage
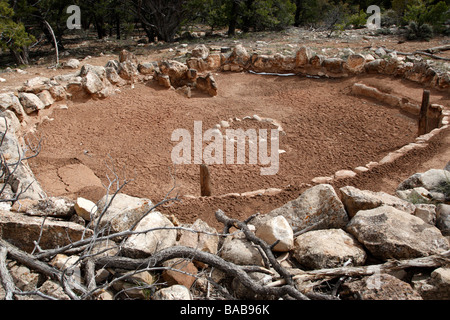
(24, 21)
(13, 35)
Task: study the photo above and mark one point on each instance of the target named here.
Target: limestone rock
(49, 207)
(443, 218)
(58, 93)
(9, 122)
(429, 179)
(176, 71)
(123, 212)
(329, 248)
(200, 51)
(24, 278)
(127, 70)
(390, 233)
(334, 65)
(134, 286)
(207, 84)
(355, 63)
(303, 56)
(318, 206)
(277, 229)
(241, 252)
(85, 208)
(53, 289)
(180, 271)
(437, 287)
(239, 56)
(92, 83)
(8, 101)
(30, 102)
(164, 80)
(46, 98)
(98, 70)
(175, 292)
(355, 200)
(203, 240)
(426, 212)
(113, 76)
(378, 287)
(55, 233)
(71, 64)
(145, 244)
(36, 85)
(126, 55)
(147, 67)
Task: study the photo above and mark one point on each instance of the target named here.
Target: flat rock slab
(21, 230)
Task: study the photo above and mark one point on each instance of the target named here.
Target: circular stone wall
(325, 129)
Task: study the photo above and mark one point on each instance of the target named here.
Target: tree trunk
(298, 12)
(21, 57)
(117, 26)
(233, 18)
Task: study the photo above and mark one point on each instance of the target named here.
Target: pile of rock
(309, 63)
(321, 229)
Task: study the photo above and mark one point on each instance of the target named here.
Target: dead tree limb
(5, 277)
(433, 261)
(33, 263)
(426, 52)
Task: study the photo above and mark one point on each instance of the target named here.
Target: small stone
(85, 208)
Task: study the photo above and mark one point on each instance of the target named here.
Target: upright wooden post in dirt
(205, 181)
(423, 116)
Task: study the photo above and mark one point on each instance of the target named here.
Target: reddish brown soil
(326, 128)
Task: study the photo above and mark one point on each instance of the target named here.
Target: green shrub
(414, 31)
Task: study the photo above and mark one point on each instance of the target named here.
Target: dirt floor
(326, 129)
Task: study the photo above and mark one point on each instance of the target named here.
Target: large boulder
(329, 248)
(318, 206)
(143, 244)
(355, 200)
(122, 213)
(389, 233)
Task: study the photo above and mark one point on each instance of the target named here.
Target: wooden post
(205, 181)
(423, 116)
